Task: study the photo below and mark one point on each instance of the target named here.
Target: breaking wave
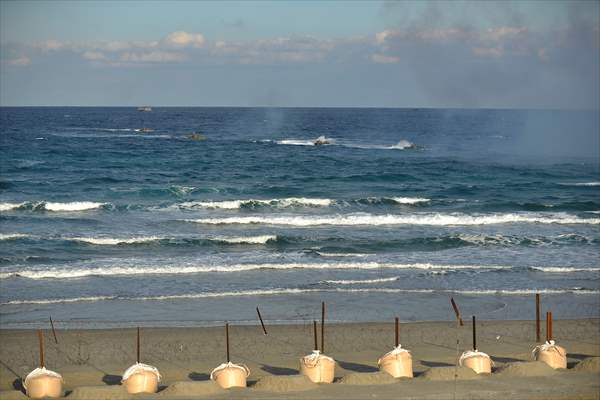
(12, 236)
(67, 273)
(53, 206)
(437, 219)
(251, 203)
(294, 291)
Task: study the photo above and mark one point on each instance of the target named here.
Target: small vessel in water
(322, 140)
(144, 130)
(196, 136)
(144, 108)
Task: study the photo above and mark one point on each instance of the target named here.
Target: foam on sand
(434, 219)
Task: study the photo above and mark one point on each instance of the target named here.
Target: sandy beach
(92, 361)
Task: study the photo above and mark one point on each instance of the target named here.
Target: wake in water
(325, 141)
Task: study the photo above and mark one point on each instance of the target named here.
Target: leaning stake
(261, 321)
(53, 331)
(456, 311)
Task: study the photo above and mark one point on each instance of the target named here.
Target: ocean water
(103, 225)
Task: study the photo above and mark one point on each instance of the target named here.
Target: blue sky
(376, 54)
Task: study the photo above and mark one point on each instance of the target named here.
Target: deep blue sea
(102, 224)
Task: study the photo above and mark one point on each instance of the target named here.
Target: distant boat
(145, 108)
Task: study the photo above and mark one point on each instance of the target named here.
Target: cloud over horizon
(445, 62)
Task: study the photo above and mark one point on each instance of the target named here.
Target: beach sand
(92, 361)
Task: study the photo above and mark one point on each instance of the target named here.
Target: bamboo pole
(323, 327)
(474, 334)
(397, 342)
(261, 321)
(315, 333)
(537, 317)
(53, 331)
(550, 330)
(138, 345)
(547, 326)
(456, 311)
(227, 339)
(41, 339)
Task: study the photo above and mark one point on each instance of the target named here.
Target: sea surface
(103, 225)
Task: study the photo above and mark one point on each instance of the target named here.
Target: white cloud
(94, 55)
(383, 59)
(185, 39)
(153, 57)
(21, 61)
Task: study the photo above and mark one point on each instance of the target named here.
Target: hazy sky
(376, 54)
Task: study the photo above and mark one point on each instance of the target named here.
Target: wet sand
(92, 361)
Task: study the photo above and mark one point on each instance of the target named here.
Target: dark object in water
(197, 136)
(321, 140)
(145, 130)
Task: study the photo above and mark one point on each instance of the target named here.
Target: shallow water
(103, 225)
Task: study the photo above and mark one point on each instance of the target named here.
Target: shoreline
(93, 360)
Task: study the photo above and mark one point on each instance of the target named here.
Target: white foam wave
(11, 236)
(342, 254)
(67, 273)
(565, 270)
(436, 219)
(261, 239)
(361, 281)
(235, 204)
(410, 200)
(73, 206)
(294, 291)
(582, 184)
(10, 206)
(115, 241)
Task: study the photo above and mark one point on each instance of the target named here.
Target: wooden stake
(138, 345)
(547, 326)
(227, 339)
(53, 331)
(397, 336)
(474, 334)
(261, 321)
(550, 330)
(456, 311)
(323, 327)
(537, 317)
(315, 332)
(41, 338)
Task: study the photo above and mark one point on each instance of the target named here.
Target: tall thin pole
(41, 338)
(537, 317)
(53, 331)
(547, 326)
(138, 345)
(550, 330)
(474, 334)
(227, 339)
(397, 333)
(261, 321)
(323, 327)
(315, 333)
